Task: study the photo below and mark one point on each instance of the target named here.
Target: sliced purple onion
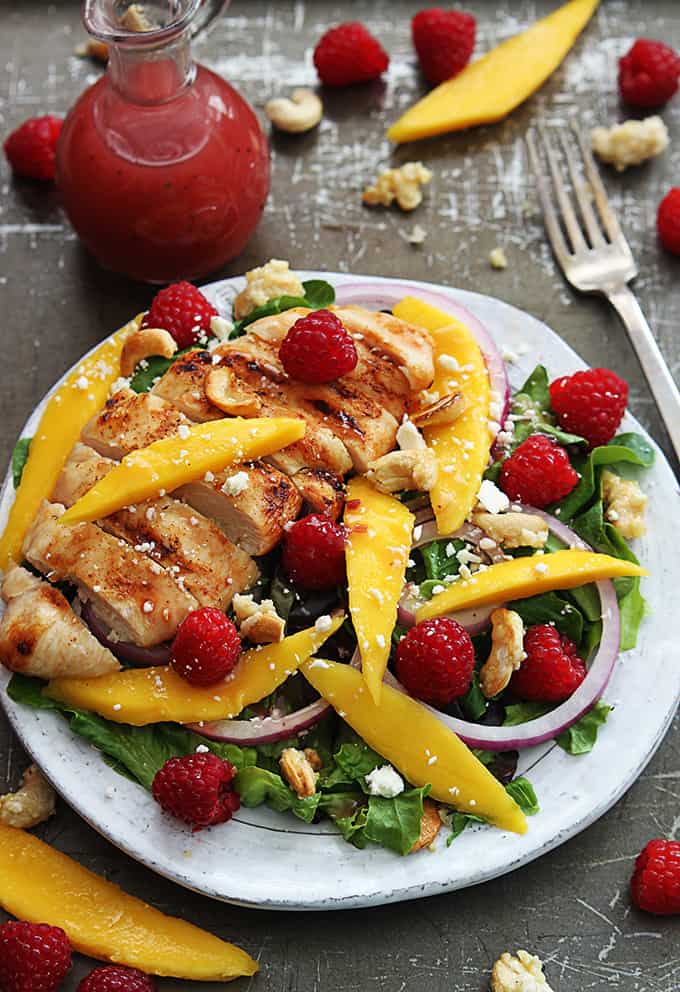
(133, 654)
(263, 730)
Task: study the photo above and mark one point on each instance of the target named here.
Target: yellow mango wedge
(81, 395)
(490, 88)
(461, 448)
(409, 736)
(380, 530)
(140, 696)
(173, 461)
(523, 577)
(42, 885)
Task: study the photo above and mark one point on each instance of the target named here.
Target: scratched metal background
(571, 907)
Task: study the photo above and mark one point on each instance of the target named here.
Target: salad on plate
(320, 556)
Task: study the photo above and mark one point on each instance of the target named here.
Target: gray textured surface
(572, 906)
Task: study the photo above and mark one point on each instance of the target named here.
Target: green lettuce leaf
(395, 823)
(19, 459)
(522, 791)
(146, 373)
(474, 702)
(519, 713)
(532, 404)
(550, 607)
(353, 761)
(318, 294)
(349, 812)
(258, 785)
(580, 737)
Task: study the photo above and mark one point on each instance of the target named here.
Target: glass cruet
(162, 166)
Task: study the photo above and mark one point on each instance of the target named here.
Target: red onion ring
(133, 654)
(263, 730)
(386, 295)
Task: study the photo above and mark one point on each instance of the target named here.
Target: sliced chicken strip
(129, 421)
(83, 467)
(137, 598)
(183, 385)
(40, 634)
(323, 491)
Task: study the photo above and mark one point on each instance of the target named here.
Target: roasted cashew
(33, 803)
(298, 113)
(144, 344)
(224, 392)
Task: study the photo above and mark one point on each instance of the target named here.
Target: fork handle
(659, 378)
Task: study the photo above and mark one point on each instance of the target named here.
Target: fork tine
(568, 214)
(581, 194)
(552, 223)
(611, 224)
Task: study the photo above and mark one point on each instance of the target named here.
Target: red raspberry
(206, 646)
(34, 957)
(648, 74)
(655, 885)
(31, 148)
(183, 311)
(538, 472)
(444, 41)
(590, 403)
(197, 789)
(349, 54)
(317, 348)
(552, 669)
(117, 978)
(668, 220)
(435, 661)
(314, 553)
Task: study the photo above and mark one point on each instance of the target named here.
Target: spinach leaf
(349, 811)
(474, 702)
(150, 369)
(395, 823)
(459, 822)
(630, 448)
(282, 595)
(522, 791)
(19, 459)
(318, 294)
(518, 713)
(581, 736)
(439, 558)
(531, 409)
(550, 607)
(258, 785)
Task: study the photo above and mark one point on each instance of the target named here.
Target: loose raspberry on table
(444, 41)
(538, 472)
(552, 669)
(318, 348)
(197, 788)
(648, 74)
(349, 54)
(34, 957)
(206, 646)
(590, 403)
(183, 311)
(435, 661)
(117, 978)
(31, 148)
(314, 552)
(668, 221)
(655, 885)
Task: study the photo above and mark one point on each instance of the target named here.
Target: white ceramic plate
(270, 860)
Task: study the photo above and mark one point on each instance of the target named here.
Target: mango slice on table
(152, 695)
(174, 461)
(42, 885)
(490, 88)
(411, 738)
(379, 539)
(461, 448)
(523, 577)
(80, 396)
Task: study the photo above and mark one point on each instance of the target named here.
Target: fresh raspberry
(183, 311)
(314, 553)
(197, 789)
(34, 957)
(317, 348)
(552, 669)
(444, 41)
(349, 54)
(668, 220)
(206, 646)
(655, 885)
(590, 403)
(31, 149)
(117, 978)
(435, 661)
(538, 472)
(648, 74)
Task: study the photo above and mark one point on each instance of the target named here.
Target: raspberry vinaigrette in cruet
(163, 168)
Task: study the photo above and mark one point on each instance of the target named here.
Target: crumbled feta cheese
(221, 328)
(148, 606)
(384, 781)
(409, 437)
(82, 383)
(509, 355)
(630, 143)
(323, 624)
(209, 477)
(202, 749)
(448, 362)
(318, 663)
(236, 484)
(117, 707)
(183, 431)
(540, 567)
(521, 973)
(492, 498)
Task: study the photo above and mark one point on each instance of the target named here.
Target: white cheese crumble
(221, 328)
(148, 606)
(235, 484)
(492, 498)
(183, 431)
(541, 568)
(448, 362)
(323, 624)
(630, 143)
(385, 782)
(209, 477)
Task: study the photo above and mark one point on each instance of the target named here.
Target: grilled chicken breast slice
(40, 634)
(129, 421)
(83, 467)
(322, 491)
(137, 598)
(183, 385)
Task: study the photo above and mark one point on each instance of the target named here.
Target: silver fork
(595, 256)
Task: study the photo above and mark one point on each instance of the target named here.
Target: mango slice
(152, 695)
(380, 530)
(82, 394)
(523, 577)
(174, 461)
(490, 88)
(410, 737)
(42, 885)
(461, 448)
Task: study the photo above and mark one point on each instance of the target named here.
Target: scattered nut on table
(518, 973)
(295, 114)
(33, 803)
(630, 143)
(403, 185)
(146, 343)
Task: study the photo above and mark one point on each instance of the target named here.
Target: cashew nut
(298, 113)
(33, 803)
(224, 391)
(144, 344)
